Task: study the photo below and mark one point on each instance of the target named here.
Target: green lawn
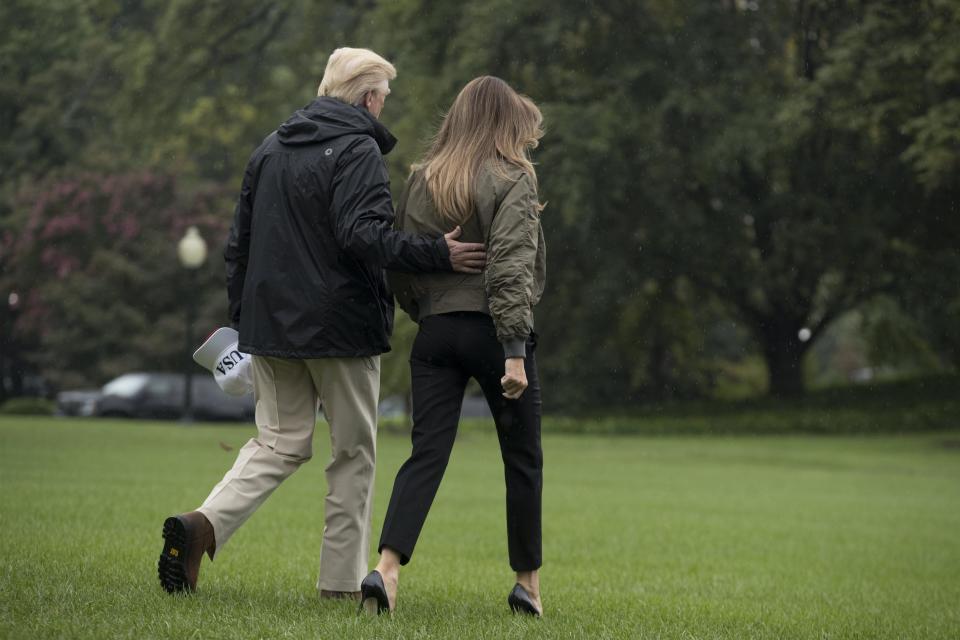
(669, 537)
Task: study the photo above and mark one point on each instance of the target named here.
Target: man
(311, 234)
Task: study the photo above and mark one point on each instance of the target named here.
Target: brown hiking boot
(339, 595)
(186, 538)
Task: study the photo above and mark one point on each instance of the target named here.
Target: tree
(898, 82)
(54, 76)
(592, 352)
(764, 164)
(95, 89)
(779, 201)
(94, 262)
(712, 144)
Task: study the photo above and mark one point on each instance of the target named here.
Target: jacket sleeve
(402, 284)
(237, 251)
(363, 216)
(511, 262)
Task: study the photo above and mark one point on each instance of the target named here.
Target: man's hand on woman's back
(465, 257)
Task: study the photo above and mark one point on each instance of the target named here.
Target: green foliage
(911, 48)
(768, 166)
(892, 83)
(95, 262)
(706, 147)
(200, 84)
(55, 74)
(895, 338)
(740, 378)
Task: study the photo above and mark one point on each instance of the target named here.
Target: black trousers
(449, 350)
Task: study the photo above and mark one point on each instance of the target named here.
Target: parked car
(77, 403)
(157, 395)
(394, 407)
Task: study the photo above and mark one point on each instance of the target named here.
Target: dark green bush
(27, 407)
(909, 406)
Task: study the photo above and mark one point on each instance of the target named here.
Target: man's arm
(401, 283)
(363, 211)
(236, 252)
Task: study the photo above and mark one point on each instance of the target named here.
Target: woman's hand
(515, 380)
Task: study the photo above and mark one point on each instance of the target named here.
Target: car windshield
(125, 386)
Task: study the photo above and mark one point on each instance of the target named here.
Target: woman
(478, 175)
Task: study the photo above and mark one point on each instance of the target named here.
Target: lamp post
(192, 251)
(8, 350)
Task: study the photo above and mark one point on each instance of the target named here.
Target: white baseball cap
(231, 369)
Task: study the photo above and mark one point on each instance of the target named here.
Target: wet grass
(672, 537)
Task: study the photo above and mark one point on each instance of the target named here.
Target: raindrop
(804, 334)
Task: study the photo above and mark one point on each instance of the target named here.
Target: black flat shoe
(373, 595)
(520, 602)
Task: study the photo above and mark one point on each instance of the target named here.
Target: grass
(671, 537)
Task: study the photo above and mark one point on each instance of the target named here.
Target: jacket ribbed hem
(460, 300)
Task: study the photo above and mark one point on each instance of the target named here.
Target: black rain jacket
(311, 235)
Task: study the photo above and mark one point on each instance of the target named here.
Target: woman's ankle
(389, 561)
(530, 580)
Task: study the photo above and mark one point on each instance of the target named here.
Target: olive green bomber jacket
(507, 220)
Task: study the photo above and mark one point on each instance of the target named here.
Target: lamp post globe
(192, 249)
(192, 252)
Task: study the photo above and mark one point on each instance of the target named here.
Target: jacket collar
(385, 140)
(327, 118)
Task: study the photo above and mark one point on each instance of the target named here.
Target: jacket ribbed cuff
(514, 348)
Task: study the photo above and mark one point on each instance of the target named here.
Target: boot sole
(172, 566)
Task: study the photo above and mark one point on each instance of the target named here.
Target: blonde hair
(352, 73)
(487, 122)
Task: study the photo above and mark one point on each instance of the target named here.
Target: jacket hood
(328, 118)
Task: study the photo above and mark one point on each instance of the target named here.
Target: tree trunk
(658, 369)
(783, 352)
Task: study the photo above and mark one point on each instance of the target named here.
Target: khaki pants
(286, 392)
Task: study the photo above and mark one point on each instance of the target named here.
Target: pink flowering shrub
(93, 260)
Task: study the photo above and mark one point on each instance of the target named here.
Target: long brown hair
(488, 121)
